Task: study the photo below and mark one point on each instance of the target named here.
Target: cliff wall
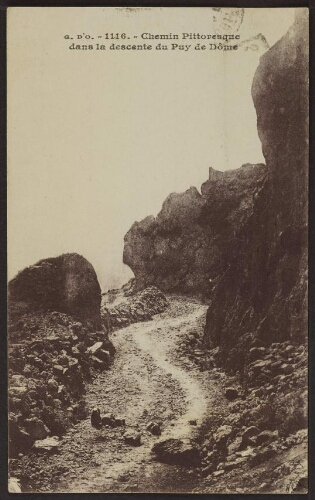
(265, 290)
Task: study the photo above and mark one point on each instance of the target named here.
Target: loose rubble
(48, 367)
(139, 307)
(133, 438)
(236, 449)
(267, 412)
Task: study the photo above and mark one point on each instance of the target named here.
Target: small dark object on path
(96, 420)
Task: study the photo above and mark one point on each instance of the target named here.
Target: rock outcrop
(187, 246)
(264, 291)
(67, 284)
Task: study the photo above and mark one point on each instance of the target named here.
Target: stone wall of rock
(264, 291)
(188, 243)
(67, 283)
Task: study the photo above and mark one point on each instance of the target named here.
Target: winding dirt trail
(196, 402)
(150, 380)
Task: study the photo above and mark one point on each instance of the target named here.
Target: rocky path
(149, 381)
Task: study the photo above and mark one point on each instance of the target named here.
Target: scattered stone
(231, 393)
(265, 436)
(94, 348)
(36, 428)
(138, 307)
(154, 428)
(274, 367)
(58, 369)
(232, 465)
(222, 434)
(258, 393)
(301, 486)
(18, 391)
(287, 369)
(119, 422)
(96, 420)
(249, 436)
(176, 451)
(48, 444)
(98, 363)
(256, 353)
(132, 438)
(249, 452)
(289, 349)
(104, 355)
(206, 471)
(52, 385)
(18, 381)
(218, 473)
(235, 445)
(109, 420)
(124, 478)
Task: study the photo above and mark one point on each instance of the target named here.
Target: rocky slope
(173, 434)
(51, 354)
(188, 243)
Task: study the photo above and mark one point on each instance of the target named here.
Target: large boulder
(176, 451)
(67, 283)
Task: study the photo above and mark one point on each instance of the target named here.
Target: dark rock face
(265, 288)
(67, 283)
(188, 243)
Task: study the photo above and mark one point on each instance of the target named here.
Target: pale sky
(97, 140)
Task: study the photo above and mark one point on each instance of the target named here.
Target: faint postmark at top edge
(257, 43)
(227, 20)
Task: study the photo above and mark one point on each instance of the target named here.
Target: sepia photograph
(158, 169)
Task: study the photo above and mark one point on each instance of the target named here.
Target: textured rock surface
(176, 451)
(265, 289)
(67, 283)
(51, 354)
(188, 243)
(140, 307)
(50, 358)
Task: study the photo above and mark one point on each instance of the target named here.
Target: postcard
(158, 249)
